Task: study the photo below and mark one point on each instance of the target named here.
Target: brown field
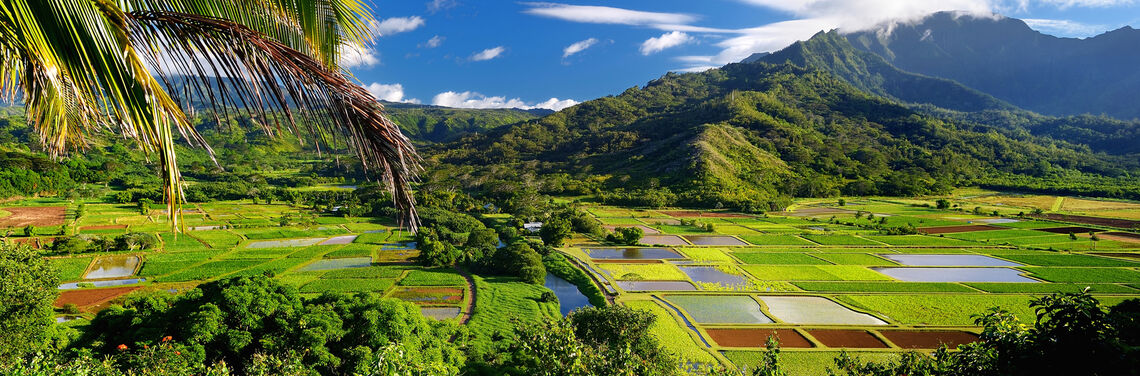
(103, 227)
(1126, 237)
(957, 229)
(36, 243)
(1069, 229)
(847, 338)
(756, 337)
(928, 339)
(430, 295)
(39, 216)
(700, 214)
(1097, 221)
(644, 228)
(90, 297)
(1077, 204)
(808, 212)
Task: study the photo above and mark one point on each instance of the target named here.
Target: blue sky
(495, 53)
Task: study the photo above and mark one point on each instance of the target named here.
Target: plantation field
(832, 253)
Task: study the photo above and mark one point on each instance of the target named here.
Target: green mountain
(751, 135)
(1005, 58)
(423, 123)
(831, 52)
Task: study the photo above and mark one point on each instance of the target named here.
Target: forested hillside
(440, 124)
(753, 135)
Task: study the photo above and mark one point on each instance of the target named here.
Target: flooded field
(632, 253)
(341, 263)
(113, 267)
(955, 274)
(656, 286)
(713, 240)
(712, 274)
(440, 313)
(663, 240)
(947, 260)
(721, 309)
(812, 310)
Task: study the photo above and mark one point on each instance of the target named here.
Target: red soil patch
(39, 216)
(1069, 229)
(36, 243)
(962, 228)
(929, 339)
(1097, 221)
(90, 297)
(757, 337)
(430, 295)
(627, 261)
(859, 339)
(1126, 237)
(103, 227)
(644, 228)
(700, 214)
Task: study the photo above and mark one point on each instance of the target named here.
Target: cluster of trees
(448, 239)
(83, 243)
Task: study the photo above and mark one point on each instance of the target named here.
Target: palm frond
(314, 27)
(230, 65)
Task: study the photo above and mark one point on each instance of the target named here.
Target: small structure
(532, 226)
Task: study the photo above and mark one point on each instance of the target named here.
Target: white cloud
(605, 15)
(434, 42)
(665, 41)
(396, 25)
(488, 54)
(390, 93)
(556, 104)
(1064, 4)
(469, 99)
(435, 6)
(1064, 28)
(578, 47)
(353, 56)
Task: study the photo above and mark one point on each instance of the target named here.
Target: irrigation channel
(569, 298)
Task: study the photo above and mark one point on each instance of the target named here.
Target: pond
(656, 286)
(955, 274)
(712, 274)
(440, 313)
(113, 267)
(339, 240)
(116, 282)
(340, 263)
(947, 260)
(713, 240)
(663, 240)
(632, 253)
(569, 298)
(721, 309)
(813, 310)
(284, 243)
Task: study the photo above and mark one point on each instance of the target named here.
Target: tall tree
(27, 290)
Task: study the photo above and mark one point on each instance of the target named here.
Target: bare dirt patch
(859, 339)
(908, 339)
(39, 216)
(1087, 220)
(36, 243)
(91, 297)
(103, 227)
(700, 214)
(1069, 230)
(757, 337)
(957, 229)
(1126, 237)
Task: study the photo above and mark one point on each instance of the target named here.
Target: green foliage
(626, 236)
(557, 264)
(554, 231)
(27, 290)
(433, 277)
(233, 319)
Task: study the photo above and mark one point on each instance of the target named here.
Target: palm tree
(134, 67)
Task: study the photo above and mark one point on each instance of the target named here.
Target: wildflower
(122, 347)
(166, 339)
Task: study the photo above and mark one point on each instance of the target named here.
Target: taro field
(823, 278)
(315, 253)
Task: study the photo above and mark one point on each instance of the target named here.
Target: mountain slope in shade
(831, 52)
(1005, 58)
